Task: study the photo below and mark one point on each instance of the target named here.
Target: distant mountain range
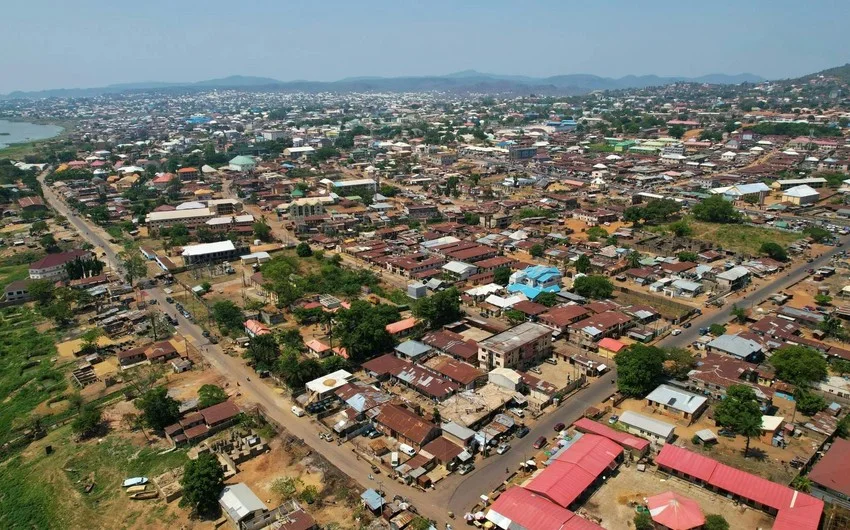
(465, 81)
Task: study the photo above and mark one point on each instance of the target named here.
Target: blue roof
(541, 273)
(531, 292)
(372, 499)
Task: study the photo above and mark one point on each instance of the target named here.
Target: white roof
(304, 149)
(801, 191)
(734, 273)
(503, 303)
(208, 248)
(676, 398)
(771, 423)
(177, 214)
(227, 219)
(329, 382)
(239, 501)
(481, 290)
(648, 424)
(191, 205)
(459, 267)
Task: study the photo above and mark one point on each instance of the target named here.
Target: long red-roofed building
(518, 508)
(793, 510)
(635, 445)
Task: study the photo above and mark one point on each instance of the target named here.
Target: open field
(58, 499)
(738, 237)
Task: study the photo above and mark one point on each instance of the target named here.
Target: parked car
(560, 427)
(535, 370)
(465, 468)
(503, 448)
(613, 419)
(727, 434)
(552, 360)
(169, 299)
(522, 431)
(540, 443)
(686, 325)
(676, 331)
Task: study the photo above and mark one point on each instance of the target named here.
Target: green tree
(309, 494)
(583, 264)
(643, 521)
(802, 483)
(715, 522)
(159, 410)
(546, 298)
(515, 317)
(799, 365)
(681, 228)
(822, 299)
(831, 325)
(774, 251)
(716, 209)
(536, 250)
(262, 230)
(228, 316)
(640, 368)
(739, 412)
(502, 276)
(202, 482)
(717, 329)
(209, 395)
(633, 259)
(303, 250)
(595, 233)
(676, 131)
(439, 309)
(264, 351)
(843, 428)
(134, 265)
(687, 256)
(362, 329)
(808, 403)
(678, 362)
(598, 287)
(41, 291)
(740, 314)
(88, 423)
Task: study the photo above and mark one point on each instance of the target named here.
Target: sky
(89, 43)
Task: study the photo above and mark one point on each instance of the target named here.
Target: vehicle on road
(376, 470)
(465, 468)
(560, 427)
(540, 443)
(502, 449)
(676, 331)
(686, 325)
(522, 432)
(297, 411)
(169, 299)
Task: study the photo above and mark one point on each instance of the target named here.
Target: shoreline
(28, 147)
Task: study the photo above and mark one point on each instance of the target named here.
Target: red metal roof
(575, 469)
(620, 437)
(833, 470)
(675, 511)
(796, 511)
(518, 507)
(684, 461)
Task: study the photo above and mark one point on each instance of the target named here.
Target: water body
(14, 132)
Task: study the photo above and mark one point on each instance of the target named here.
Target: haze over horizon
(97, 43)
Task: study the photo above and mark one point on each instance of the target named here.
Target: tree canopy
(739, 412)
(202, 481)
(264, 351)
(774, 250)
(502, 276)
(799, 365)
(159, 410)
(597, 287)
(640, 368)
(362, 329)
(439, 309)
(228, 316)
(716, 209)
(209, 395)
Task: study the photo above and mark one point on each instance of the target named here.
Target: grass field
(57, 499)
(11, 273)
(27, 375)
(741, 238)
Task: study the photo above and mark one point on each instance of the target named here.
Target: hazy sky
(84, 43)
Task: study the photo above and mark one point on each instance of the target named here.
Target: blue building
(535, 280)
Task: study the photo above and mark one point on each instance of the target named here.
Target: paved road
(456, 493)
(784, 281)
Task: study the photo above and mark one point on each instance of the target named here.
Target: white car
(676, 331)
(503, 448)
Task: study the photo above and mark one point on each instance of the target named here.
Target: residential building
(519, 346)
(677, 402)
(830, 476)
(212, 252)
(657, 431)
(52, 266)
(405, 426)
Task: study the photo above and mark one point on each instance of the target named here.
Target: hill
(465, 81)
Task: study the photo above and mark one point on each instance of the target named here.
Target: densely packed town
(256, 309)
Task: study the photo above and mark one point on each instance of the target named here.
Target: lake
(13, 132)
